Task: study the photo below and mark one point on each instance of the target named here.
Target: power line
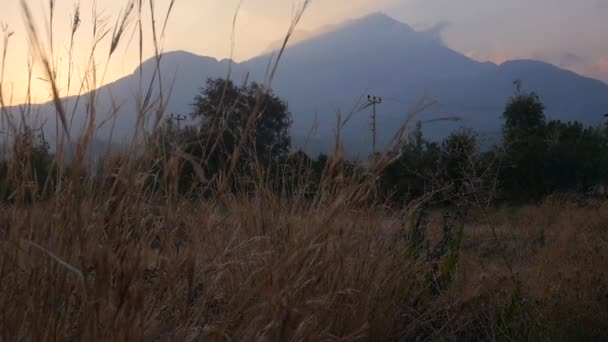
(178, 118)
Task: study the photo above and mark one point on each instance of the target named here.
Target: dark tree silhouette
(524, 174)
(459, 159)
(225, 110)
(524, 117)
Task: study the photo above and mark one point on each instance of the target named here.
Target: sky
(569, 33)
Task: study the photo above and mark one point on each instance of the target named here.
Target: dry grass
(261, 269)
(116, 262)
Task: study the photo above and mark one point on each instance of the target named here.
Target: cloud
(602, 65)
(570, 59)
(584, 65)
(496, 56)
(596, 68)
(436, 31)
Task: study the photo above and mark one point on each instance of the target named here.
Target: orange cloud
(602, 65)
(497, 57)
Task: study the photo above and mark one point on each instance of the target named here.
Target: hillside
(371, 55)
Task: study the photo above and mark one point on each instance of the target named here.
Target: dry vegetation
(75, 268)
(118, 262)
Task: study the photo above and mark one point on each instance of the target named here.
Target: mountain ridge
(377, 55)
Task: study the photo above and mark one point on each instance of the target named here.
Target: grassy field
(104, 258)
(76, 269)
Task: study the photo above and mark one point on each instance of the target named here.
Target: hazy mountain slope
(381, 56)
(182, 75)
(374, 55)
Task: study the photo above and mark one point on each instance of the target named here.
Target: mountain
(381, 56)
(376, 55)
(299, 36)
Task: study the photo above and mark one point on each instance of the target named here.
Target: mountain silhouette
(331, 71)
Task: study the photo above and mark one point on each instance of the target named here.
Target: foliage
(460, 162)
(577, 156)
(33, 171)
(545, 157)
(415, 172)
(199, 155)
(226, 109)
(523, 176)
(524, 117)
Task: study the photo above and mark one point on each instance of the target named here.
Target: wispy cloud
(436, 31)
(497, 56)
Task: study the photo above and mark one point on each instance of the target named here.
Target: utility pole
(178, 118)
(373, 101)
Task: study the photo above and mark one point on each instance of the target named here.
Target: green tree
(200, 154)
(577, 156)
(225, 110)
(415, 172)
(180, 164)
(524, 174)
(524, 117)
(459, 160)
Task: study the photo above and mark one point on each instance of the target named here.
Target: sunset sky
(569, 33)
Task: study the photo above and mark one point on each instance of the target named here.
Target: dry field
(85, 269)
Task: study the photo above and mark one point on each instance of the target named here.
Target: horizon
(454, 30)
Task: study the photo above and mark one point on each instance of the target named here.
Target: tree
(415, 172)
(576, 156)
(197, 157)
(524, 117)
(225, 110)
(524, 139)
(459, 160)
